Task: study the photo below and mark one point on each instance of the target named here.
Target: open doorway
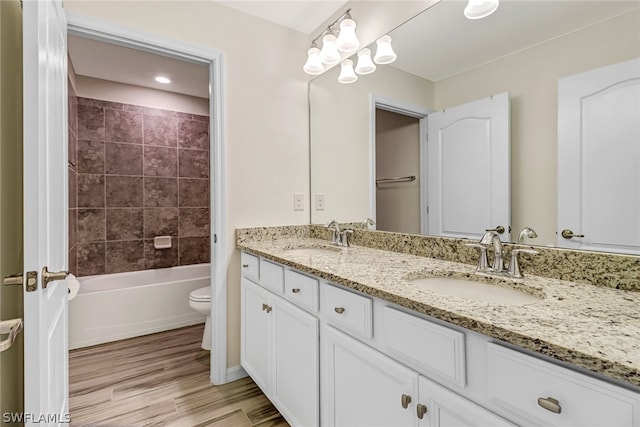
(153, 185)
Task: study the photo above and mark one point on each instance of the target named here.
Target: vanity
(351, 336)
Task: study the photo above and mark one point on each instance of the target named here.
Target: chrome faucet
(335, 232)
(367, 222)
(492, 238)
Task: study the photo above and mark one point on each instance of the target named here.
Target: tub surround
(593, 327)
(141, 172)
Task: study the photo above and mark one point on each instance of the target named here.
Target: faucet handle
(499, 229)
(345, 237)
(514, 266)
(483, 261)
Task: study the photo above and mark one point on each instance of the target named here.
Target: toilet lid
(202, 294)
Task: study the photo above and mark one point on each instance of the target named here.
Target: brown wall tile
(160, 222)
(90, 190)
(73, 227)
(90, 123)
(91, 225)
(160, 161)
(73, 260)
(193, 134)
(194, 250)
(90, 156)
(193, 193)
(193, 163)
(160, 258)
(91, 258)
(124, 223)
(123, 159)
(123, 191)
(160, 192)
(73, 149)
(73, 189)
(124, 256)
(159, 130)
(100, 103)
(123, 126)
(194, 222)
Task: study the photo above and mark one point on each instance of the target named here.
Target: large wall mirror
(445, 61)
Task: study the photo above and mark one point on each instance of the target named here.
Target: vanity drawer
(429, 348)
(346, 310)
(250, 266)
(526, 385)
(271, 276)
(301, 290)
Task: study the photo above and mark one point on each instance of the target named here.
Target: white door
(46, 385)
(295, 363)
(255, 333)
(468, 157)
(440, 407)
(599, 159)
(363, 387)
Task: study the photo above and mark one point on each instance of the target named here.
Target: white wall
(531, 78)
(266, 112)
(340, 131)
(88, 87)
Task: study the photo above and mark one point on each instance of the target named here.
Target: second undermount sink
(475, 291)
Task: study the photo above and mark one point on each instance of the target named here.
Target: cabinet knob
(405, 400)
(266, 308)
(550, 404)
(421, 410)
(339, 310)
(245, 265)
(295, 290)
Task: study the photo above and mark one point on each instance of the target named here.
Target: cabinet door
(362, 387)
(255, 331)
(445, 408)
(295, 342)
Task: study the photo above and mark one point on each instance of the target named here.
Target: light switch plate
(319, 201)
(298, 201)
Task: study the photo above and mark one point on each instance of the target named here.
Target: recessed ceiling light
(162, 79)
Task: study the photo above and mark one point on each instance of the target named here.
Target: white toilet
(200, 301)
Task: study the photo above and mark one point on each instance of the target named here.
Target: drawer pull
(266, 308)
(339, 310)
(550, 404)
(245, 265)
(405, 400)
(421, 410)
(295, 290)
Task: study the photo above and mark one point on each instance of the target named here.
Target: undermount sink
(475, 291)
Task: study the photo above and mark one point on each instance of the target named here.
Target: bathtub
(112, 307)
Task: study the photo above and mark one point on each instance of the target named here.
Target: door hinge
(215, 238)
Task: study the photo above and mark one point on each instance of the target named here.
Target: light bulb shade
(347, 41)
(477, 9)
(329, 53)
(313, 65)
(384, 52)
(347, 75)
(365, 64)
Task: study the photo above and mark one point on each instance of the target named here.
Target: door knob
(48, 276)
(568, 234)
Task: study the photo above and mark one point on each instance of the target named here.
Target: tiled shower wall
(73, 189)
(141, 173)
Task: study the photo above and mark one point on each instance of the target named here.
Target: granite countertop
(593, 327)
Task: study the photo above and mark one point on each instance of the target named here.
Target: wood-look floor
(160, 380)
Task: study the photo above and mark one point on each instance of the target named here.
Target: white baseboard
(235, 373)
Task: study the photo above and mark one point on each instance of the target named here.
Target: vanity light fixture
(384, 52)
(477, 9)
(162, 79)
(332, 46)
(347, 75)
(365, 64)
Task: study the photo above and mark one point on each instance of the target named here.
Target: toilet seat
(201, 295)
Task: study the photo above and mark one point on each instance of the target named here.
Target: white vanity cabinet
(280, 351)
(330, 356)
